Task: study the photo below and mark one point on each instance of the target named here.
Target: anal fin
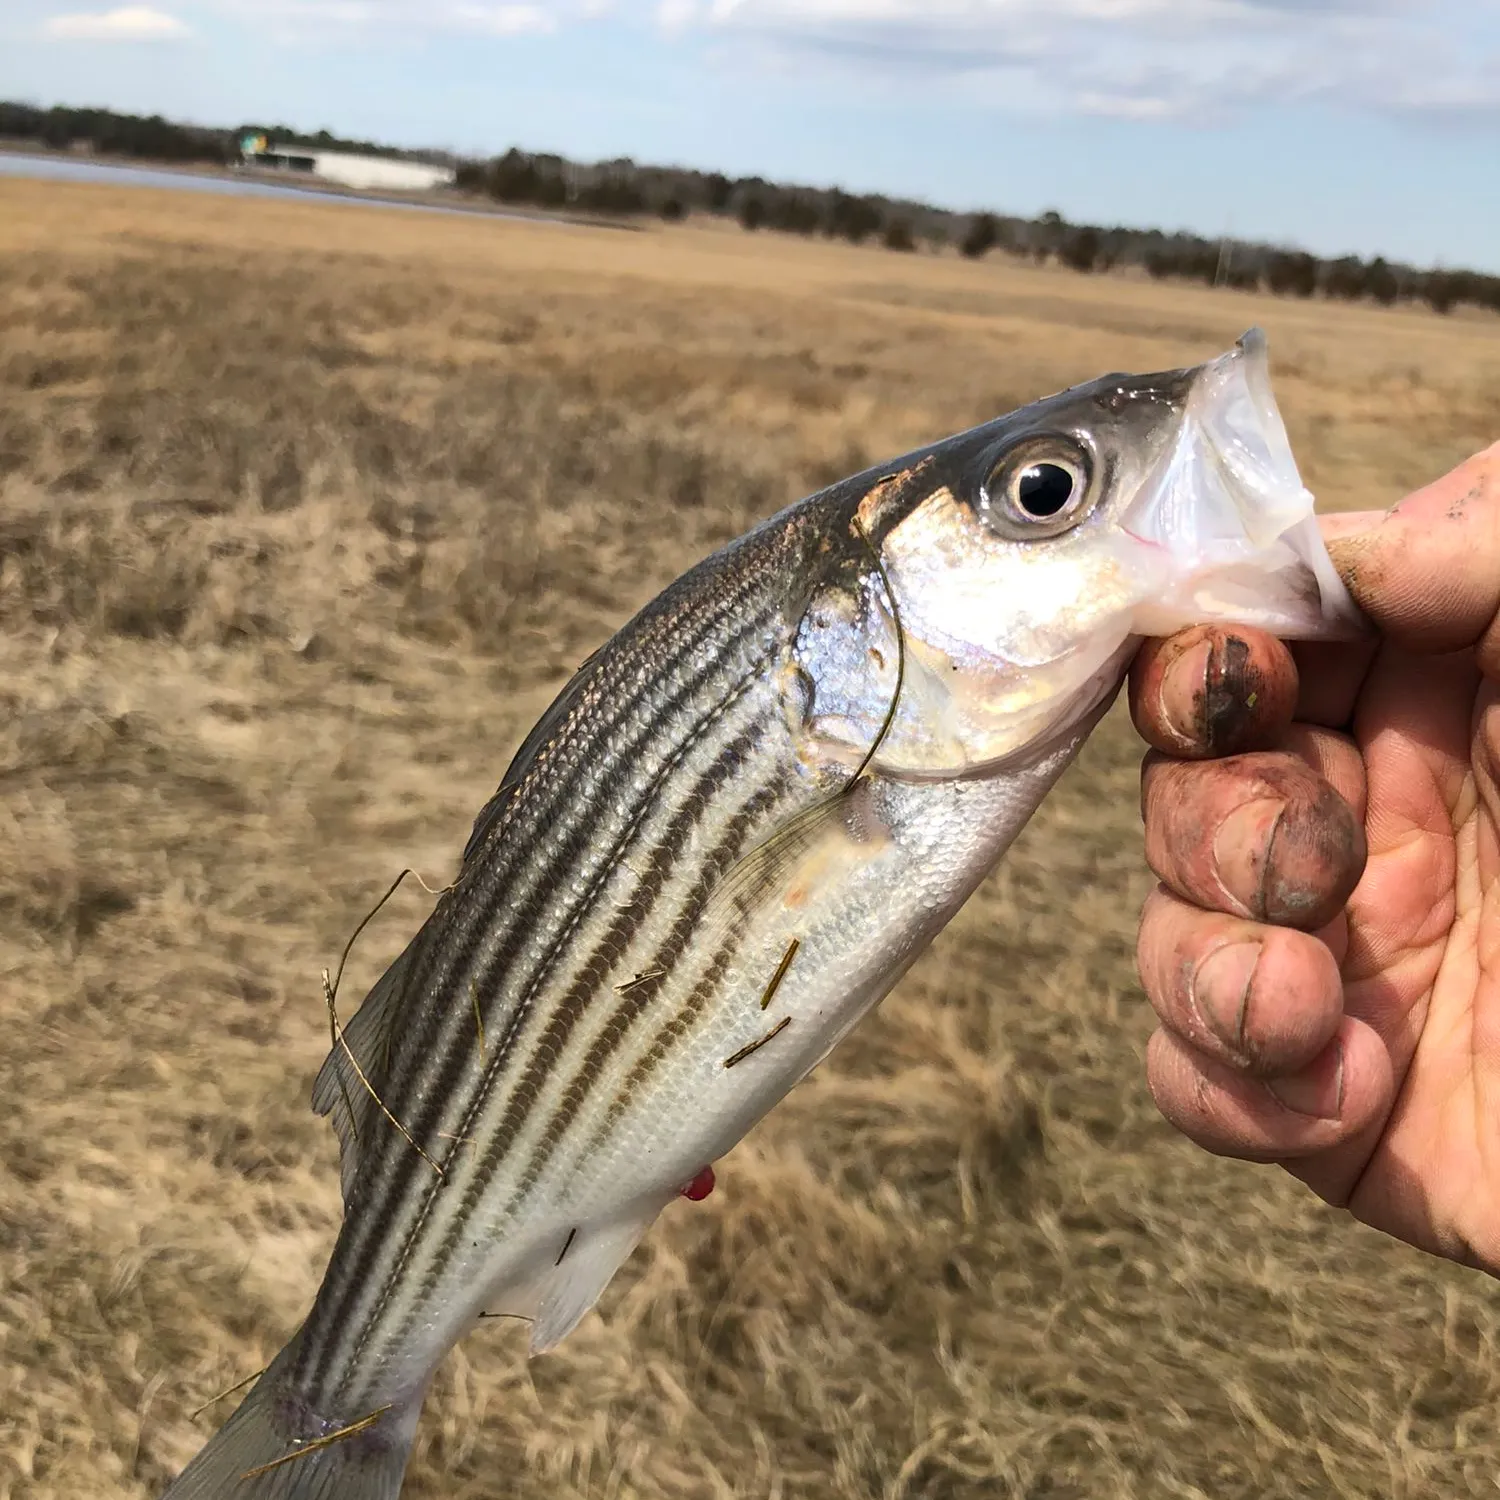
(590, 1257)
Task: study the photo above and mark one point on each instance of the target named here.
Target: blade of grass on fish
(782, 970)
(754, 1047)
(640, 981)
(308, 1449)
(225, 1395)
(895, 609)
(340, 1042)
(374, 912)
(478, 1015)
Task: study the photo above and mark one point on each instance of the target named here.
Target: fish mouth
(1227, 500)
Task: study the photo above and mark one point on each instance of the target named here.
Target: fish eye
(1039, 489)
(1043, 490)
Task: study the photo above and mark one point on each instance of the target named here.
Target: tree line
(151, 138)
(625, 188)
(111, 134)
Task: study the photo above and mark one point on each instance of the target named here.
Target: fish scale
(527, 884)
(693, 709)
(733, 832)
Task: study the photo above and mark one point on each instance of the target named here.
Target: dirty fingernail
(1242, 851)
(1183, 686)
(1292, 859)
(1317, 1091)
(1221, 991)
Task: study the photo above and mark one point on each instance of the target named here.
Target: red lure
(700, 1187)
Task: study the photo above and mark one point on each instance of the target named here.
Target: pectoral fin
(789, 866)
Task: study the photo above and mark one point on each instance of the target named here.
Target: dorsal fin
(338, 1091)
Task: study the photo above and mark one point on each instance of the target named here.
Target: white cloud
(327, 21)
(673, 15)
(501, 20)
(1148, 59)
(128, 23)
(1126, 59)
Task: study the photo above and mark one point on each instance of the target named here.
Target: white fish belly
(855, 934)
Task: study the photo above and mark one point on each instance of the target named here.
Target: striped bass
(735, 829)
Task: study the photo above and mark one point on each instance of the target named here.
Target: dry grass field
(305, 511)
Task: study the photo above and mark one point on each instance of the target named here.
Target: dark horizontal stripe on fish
(730, 847)
(439, 1063)
(668, 1036)
(512, 898)
(362, 1267)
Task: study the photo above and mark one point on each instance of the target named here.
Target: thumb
(1427, 573)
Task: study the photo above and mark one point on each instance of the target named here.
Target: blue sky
(1340, 125)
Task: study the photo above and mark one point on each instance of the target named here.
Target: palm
(1373, 1074)
(1421, 961)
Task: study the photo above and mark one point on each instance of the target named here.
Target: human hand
(1324, 951)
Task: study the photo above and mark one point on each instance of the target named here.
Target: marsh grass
(304, 514)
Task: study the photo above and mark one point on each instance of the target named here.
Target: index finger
(1428, 572)
(1212, 690)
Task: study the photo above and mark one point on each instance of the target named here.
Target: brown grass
(304, 512)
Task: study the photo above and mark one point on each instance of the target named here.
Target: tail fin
(259, 1454)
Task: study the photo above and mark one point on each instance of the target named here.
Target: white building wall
(374, 171)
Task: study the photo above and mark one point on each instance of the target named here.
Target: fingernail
(1183, 689)
(1221, 991)
(1318, 1091)
(1242, 849)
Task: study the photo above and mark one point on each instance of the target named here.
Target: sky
(1340, 126)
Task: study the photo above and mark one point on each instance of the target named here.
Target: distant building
(344, 167)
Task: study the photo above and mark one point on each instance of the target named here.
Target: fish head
(1014, 569)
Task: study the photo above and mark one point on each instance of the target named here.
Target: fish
(731, 834)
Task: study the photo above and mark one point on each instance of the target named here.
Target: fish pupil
(1043, 490)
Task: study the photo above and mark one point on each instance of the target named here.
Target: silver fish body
(729, 837)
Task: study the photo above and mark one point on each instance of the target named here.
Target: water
(74, 169)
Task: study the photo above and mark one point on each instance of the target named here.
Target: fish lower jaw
(1072, 720)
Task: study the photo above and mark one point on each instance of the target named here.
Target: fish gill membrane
(946, 630)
